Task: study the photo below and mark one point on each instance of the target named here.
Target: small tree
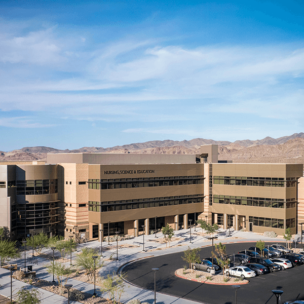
(28, 296)
(210, 229)
(2, 232)
(8, 250)
(40, 240)
(114, 286)
(168, 232)
(221, 257)
(59, 271)
(287, 236)
(192, 256)
(85, 260)
(261, 245)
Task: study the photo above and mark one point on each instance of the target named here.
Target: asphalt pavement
(259, 289)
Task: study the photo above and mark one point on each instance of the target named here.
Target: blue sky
(106, 73)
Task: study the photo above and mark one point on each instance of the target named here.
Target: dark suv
(295, 259)
(250, 253)
(239, 258)
(266, 262)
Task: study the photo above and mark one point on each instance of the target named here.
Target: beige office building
(92, 195)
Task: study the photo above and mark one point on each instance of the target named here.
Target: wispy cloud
(22, 122)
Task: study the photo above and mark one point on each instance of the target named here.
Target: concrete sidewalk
(127, 255)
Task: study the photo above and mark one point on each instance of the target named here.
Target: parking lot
(257, 291)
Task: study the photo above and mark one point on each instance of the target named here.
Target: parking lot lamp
(143, 227)
(190, 230)
(94, 258)
(24, 244)
(68, 287)
(101, 237)
(11, 269)
(155, 269)
(53, 248)
(301, 232)
(212, 238)
(236, 287)
(278, 294)
(206, 219)
(108, 233)
(155, 227)
(117, 232)
(71, 237)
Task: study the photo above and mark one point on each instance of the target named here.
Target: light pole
(68, 287)
(212, 238)
(194, 222)
(101, 237)
(135, 231)
(108, 233)
(53, 248)
(117, 232)
(236, 287)
(71, 250)
(24, 244)
(94, 258)
(33, 244)
(190, 229)
(155, 269)
(155, 226)
(11, 269)
(143, 226)
(206, 219)
(301, 232)
(278, 294)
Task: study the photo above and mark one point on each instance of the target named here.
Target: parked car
(284, 263)
(240, 258)
(240, 271)
(261, 253)
(294, 302)
(295, 259)
(205, 266)
(266, 262)
(258, 268)
(274, 251)
(215, 262)
(281, 248)
(268, 253)
(250, 253)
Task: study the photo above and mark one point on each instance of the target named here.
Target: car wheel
(194, 267)
(208, 269)
(227, 273)
(243, 277)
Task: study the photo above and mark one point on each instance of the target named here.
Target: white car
(240, 271)
(284, 263)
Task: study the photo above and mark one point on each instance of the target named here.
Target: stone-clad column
(147, 226)
(101, 234)
(186, 221)
(135, 228)
(225, 221)
(176, 224)
(236, 222)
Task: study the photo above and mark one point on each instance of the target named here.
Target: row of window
(144, 182)
(144, 203)
(33, 187)
(254, 201)
(255, 181)
(274, 223)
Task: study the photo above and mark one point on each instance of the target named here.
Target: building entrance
(111, 228)
(156, 223)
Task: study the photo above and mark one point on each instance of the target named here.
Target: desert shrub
(134, 301)
(19, 275)
(226, 280)
(209, 278)
(76, 295)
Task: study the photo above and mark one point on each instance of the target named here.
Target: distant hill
(283, 149)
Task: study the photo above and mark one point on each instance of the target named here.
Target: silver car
(281, 248)
(205, 266)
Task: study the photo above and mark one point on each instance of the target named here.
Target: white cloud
(22, 122)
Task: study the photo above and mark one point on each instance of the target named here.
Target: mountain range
(283, 149)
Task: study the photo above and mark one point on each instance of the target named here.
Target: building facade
(91, 196)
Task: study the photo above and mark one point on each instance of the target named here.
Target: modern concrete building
(92, 195)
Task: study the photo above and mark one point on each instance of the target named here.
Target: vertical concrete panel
(186, 221)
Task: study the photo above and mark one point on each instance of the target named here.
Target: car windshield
(247, 269)
(271, 248)
(268, 261)
(208, 263)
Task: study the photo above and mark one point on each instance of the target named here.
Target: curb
(210, 283)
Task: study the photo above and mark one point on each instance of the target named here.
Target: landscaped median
(207, 278)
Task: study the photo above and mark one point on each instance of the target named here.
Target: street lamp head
(68, 286)
(53, 248)
(236, 286)
(94, 257)
(10, 267)
(142, 226)
(117, 232)
(277, 292)
(24, 242)
(155, 269)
